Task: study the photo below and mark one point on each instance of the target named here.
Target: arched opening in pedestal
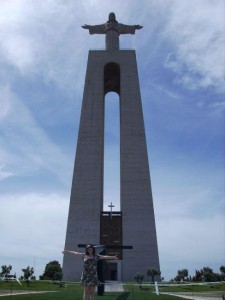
(111, 218)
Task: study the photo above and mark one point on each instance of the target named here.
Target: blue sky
(43, 57)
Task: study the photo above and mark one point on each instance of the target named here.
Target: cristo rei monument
(131, 232)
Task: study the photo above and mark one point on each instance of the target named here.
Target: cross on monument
(111, 206)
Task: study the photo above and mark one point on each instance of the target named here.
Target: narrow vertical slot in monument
(129, 232)
(111, 151)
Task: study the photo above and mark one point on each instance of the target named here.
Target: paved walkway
(200, 296)
(25, 293)
(114, 286)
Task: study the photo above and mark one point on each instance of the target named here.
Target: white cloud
(43, 38)
(5, 104)
(190, 230)
(190, 243)
(35, 224)
(197, 31)
(27, 145)
(18, 51)
(4, 174)
(181, 235)
(218, 108)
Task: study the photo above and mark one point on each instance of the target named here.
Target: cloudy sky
(43, 57)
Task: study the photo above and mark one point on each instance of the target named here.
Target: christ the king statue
(112, 29)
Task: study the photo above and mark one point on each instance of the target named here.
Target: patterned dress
(89, 275)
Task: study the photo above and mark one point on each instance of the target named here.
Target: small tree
(206, 274)
(27, 273)
(5, 271)
(53, 271)
(152, 273)
(181, 275)
(222, 270)
(198, 276)
(139, 278)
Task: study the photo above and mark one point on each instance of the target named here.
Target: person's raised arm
(72, 252)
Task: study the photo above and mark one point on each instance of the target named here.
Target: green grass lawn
(74, 291)
(78, 296)
(195, 288)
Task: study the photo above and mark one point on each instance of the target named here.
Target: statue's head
(112, 17)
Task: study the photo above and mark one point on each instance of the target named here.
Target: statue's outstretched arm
(95, 29)
(128, 29)
(85, 26)
(138, 26)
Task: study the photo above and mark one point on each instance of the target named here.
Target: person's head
(90, 249)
